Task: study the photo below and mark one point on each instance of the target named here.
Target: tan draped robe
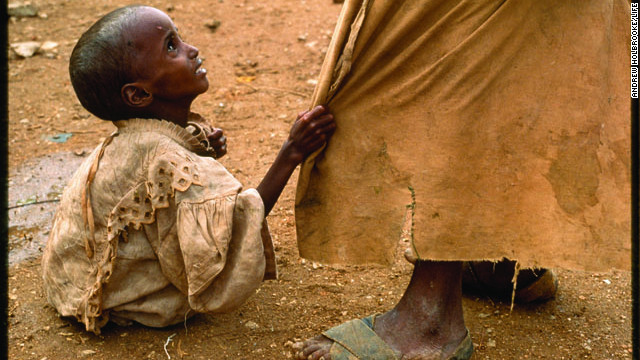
(500, 128)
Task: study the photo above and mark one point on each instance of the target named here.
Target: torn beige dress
(152, 229)
(499, 128)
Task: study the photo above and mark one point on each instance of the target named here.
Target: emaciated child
(152, 228)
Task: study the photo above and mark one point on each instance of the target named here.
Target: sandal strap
(355, 338)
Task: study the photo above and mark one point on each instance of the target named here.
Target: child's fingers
(323, 119)
(321, 134)
(215, 135)
(309, 114)
(309, 117)
(320, 125)
(326, 130)
(326, 121)
(313, 113)
(219, 142)
(315, 143)
(222, 144)
(301, 114)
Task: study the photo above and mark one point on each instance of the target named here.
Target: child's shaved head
(100, 65)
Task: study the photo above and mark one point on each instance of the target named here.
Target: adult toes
(316, 348)
(320, 354)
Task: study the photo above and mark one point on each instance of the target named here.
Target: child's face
(167, 67)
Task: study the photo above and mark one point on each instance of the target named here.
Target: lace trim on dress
(192, 137)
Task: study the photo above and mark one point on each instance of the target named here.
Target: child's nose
(193, 51)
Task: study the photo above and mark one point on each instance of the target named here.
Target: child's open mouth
(200, 70)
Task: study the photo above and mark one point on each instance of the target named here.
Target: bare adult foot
(427, 322)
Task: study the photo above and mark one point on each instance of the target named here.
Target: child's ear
(136, 96)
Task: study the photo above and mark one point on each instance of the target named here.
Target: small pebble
(20, 10)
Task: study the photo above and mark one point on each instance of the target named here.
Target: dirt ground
(262, 59)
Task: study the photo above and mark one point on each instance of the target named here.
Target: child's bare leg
(426, 323)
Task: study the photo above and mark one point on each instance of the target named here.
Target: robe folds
(485, 128)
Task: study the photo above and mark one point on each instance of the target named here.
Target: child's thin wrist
(289, 154)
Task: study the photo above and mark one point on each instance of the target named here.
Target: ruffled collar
(193, 137)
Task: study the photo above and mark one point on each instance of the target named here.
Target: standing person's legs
(496, 281)
(426, 323)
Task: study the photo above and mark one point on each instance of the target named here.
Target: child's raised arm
(308, 133)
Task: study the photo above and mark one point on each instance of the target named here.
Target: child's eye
(171, 45)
